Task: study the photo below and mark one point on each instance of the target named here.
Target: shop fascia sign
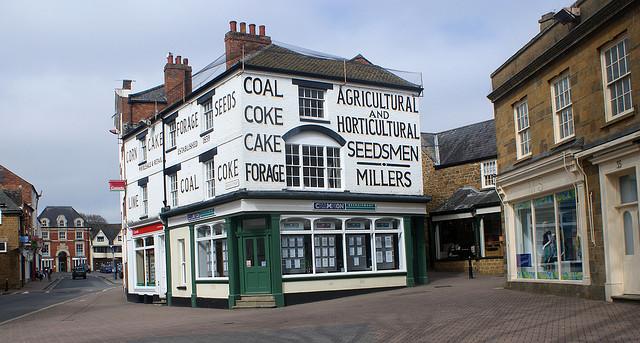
(195, 216)
(147, 229)
(343, 206)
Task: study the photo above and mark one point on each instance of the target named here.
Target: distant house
(10, 257)
(106, 244)
(464, 214)
(65, 236)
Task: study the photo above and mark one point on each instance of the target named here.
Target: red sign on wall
(117, 185)
(147, 229)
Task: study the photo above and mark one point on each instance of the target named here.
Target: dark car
(79, 271)
(106, 269)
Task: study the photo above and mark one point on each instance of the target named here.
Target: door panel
(257, 269)
(628, 219)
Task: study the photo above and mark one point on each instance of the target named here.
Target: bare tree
(94, 218)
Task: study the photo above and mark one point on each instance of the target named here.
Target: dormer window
(44, 222)
(79, 222)
(62, 221)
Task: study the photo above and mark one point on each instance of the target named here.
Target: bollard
(470, 268)
(6, 285)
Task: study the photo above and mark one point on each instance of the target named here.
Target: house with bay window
(273, 176)
(464, 214)
(567, 129)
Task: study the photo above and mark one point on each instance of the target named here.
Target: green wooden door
(257, 274)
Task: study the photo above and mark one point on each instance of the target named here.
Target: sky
(62, 60)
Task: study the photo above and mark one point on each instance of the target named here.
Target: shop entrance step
(255, 301)
(628, 298)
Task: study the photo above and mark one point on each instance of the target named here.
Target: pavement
(451, 308)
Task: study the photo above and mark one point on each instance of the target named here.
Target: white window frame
(304, 111)
(212, 238)
(325, 167)
(144, 192)
(172, 134)
(609, 116)
(44, 222)
(61, 221)
(3, 246)
(208, 170)
(183, 261)
(483, 173)
(173, 189)
(372, 231)
(207, 115)
(522, 131)
(48, 252)
(144, 248)
(561, 110)
(62, 233)
(79, 222)
(100, 239)
(81, 251)
(79, 237)
(45, 234)
(142, 142)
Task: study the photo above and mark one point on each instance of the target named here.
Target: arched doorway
(62, 261)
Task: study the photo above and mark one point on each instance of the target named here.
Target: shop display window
(548, 238)
(211, 250)
(339, 245)
(145, 262)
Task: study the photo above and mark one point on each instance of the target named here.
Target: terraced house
(568, 129)
(273, 176)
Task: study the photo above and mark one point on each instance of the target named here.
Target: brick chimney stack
(235, 41)
(126, 84)
(177, 78)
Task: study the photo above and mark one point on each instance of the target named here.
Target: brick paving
(450, 309)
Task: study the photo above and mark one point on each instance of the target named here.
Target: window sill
(619, 117)
(171, 149)
(206, 132)
(312, 120)
(523, 158)
(181, 288)
(222, 280)
(141, 163)
(342, 275)
(566, 140)
(144, 217)
(582, 282)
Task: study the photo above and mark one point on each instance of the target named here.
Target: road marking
(48, 307)
(25, 292)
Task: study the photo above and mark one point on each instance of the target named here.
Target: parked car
(106, 269)
(79, 271)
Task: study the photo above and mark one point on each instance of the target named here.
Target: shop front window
(145, 262)
(339, 245)
(556, 251)
(212, 256)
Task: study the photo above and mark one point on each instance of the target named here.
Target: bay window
(145, 262)
(211, 250)
(321, 167)
(547, 237)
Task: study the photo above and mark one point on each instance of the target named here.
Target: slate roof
(52, 213)
(111, 231)
(464, 144)
(279, 59)
(155, 94)
(467, 199)
(7, 205)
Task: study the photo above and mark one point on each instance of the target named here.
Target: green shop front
(259, 249)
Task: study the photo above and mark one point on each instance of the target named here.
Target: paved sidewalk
(450, 309)
(38, 286)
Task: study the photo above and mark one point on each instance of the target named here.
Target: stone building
(271, 177)
(25, 196)
(10, 232)
(66, 238)
(567, 134)
(459, 167)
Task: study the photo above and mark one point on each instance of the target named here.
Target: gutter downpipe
(589, 195)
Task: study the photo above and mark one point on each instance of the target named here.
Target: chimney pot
(262, 30)
(178, 59)
(170, 58)
(185, 61)
(243, 27)
(126, 84)
(233, 26)
(252, 29)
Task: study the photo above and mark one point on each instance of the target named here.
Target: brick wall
(10, 261)
(69, 246)
(485, 266)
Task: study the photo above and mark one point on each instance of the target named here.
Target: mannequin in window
(549, 249)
